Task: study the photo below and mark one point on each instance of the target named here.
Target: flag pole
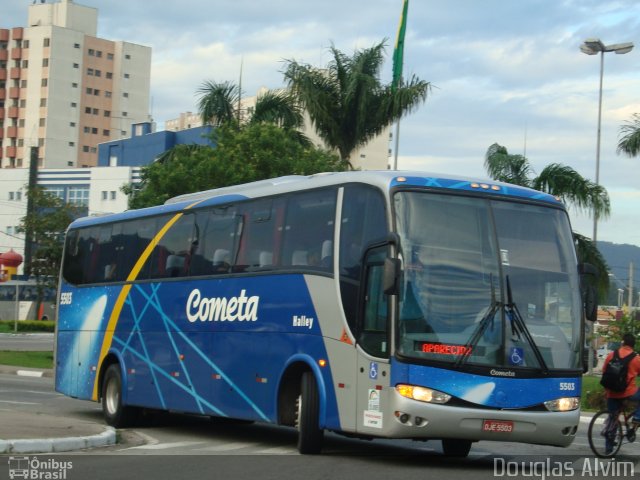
(395, 148)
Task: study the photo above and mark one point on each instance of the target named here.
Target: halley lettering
(302, 321)
(222, 309)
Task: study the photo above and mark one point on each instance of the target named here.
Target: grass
(26, 326)
(26, 359)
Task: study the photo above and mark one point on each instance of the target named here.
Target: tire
(115, 413)
(456, 448)
(599, 431)
(310, 435)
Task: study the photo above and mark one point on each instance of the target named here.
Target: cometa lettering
(222, 309)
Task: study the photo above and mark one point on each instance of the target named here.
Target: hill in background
(618, 258)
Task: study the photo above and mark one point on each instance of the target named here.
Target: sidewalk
(26, 432)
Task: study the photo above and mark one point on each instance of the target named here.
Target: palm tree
(346, 101)
(563, 182)
(630, 141)
(219, 104)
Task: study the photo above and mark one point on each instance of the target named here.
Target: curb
(66, 444)
(7, 369)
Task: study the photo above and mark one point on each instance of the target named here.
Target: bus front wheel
(310, 435)
(115, 413)
(456, 448)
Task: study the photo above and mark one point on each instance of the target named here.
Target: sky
(505, 71)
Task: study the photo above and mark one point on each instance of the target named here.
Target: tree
(561, 181)
(346, 101)
(182, 169)
(48, 222)
(254, 152)
(219, 104)
(629, 144)
(628, 322)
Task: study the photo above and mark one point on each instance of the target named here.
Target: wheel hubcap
(112, 397)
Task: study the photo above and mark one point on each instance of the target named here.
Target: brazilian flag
(398, 52)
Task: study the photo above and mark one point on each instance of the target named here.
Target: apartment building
(65, 90)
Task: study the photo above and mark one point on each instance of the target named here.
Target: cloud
(503, 71)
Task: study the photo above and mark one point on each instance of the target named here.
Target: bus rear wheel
(115, 413)
(310, 435)
(456, 448)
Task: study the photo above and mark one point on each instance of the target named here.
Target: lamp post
(592, 46)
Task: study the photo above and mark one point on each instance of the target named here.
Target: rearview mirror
(589, 291)
(590, 300)
(390, 276)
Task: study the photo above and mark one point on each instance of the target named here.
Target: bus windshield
(487, 283)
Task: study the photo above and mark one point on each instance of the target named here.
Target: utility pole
(33, 182)
(631, 315)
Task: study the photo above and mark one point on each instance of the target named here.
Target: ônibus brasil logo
(222, 309)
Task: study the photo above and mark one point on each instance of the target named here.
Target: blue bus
(372, 304)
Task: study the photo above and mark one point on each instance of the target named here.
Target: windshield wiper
(518, 326)
(483, 324)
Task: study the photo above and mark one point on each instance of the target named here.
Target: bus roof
(383, 179)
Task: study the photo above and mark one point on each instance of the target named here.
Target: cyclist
(632, 392)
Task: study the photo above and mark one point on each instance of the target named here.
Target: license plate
(497, 426)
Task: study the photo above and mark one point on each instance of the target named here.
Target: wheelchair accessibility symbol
(373, 370)
(516, 356)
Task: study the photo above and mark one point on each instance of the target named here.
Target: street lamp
(592, 46)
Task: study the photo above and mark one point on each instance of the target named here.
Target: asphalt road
(41, 342)
(182, 446)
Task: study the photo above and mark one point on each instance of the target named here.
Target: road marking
(53, 394)
(164, 446)
(29, 373)
(227, 447)
(19, 403)
(277, 451)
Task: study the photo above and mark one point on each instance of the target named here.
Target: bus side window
(259, 235)
(73, 258)
(363, 221)
(217, 240)
(308, 230)
(373, 329)
(172, 255)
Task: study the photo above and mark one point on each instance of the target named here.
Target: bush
(595, 400)
(28, 326)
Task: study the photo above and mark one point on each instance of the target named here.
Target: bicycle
(607, 432)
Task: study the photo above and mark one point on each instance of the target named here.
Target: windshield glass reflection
(454, 306)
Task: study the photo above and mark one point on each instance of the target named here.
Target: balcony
(12, 132)
(13, 112)
(11, 152)
(14, 73)
(3, 73)
(3, 93)
(4, 34)
(1, 135)
(16, 53)
(14, 92)
(17, 32)
(4, 55)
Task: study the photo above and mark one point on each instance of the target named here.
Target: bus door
(373, 346)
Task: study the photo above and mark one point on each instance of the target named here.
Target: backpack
(614, 377)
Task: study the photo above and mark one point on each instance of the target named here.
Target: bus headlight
(564, 404)
(422, 394)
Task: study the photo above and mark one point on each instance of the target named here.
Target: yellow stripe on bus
(117, 308)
